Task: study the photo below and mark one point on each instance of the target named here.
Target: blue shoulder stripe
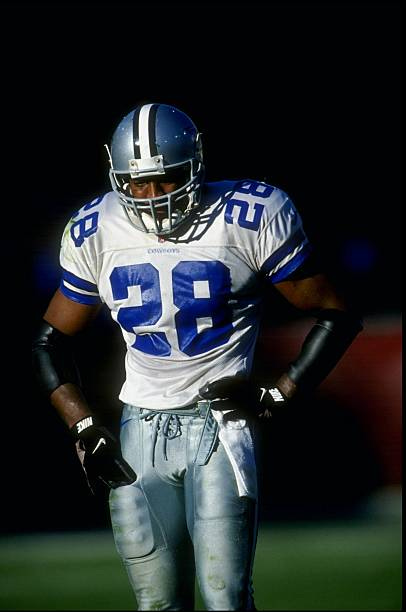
(291, 265)
(79, 297)
(284, 250)
(78, 282)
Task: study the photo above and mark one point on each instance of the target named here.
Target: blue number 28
(201, 290)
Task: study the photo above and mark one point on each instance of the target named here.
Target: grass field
(339, 566)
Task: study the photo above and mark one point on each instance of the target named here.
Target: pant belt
(167, 421)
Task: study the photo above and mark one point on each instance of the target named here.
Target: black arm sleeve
(53, 360)
(323, 347)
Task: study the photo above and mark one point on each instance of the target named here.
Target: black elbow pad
(324, 345)
(53, 360)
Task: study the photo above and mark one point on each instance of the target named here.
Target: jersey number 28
(193, 305)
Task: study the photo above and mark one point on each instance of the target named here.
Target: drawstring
(171, 427)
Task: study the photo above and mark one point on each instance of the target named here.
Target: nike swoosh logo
(263, 393)
(100, 442)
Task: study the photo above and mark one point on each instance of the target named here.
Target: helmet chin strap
(191, 202)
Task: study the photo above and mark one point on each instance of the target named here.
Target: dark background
(305, 96)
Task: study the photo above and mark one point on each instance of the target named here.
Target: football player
(181, 264)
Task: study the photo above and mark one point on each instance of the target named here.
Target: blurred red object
(366, 381)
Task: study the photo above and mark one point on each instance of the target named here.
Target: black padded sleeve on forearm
(53, 360)
(323, 347)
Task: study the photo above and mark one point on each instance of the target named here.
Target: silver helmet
(157, 140)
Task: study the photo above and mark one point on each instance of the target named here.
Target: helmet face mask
(157, 142)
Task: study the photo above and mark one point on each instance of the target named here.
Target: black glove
(244, 398)
(100, 454)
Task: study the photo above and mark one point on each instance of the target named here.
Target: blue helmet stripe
(152, 129)
(136, 133)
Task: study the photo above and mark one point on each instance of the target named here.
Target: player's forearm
(70, 403)
(323, 347)
(57, 374)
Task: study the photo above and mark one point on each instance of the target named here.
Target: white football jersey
(188, 306)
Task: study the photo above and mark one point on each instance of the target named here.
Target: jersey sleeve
(78, 263)
(282, 245)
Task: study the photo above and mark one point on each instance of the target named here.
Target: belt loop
(208, 437)
(203, 406)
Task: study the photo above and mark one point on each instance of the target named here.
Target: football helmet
(157, 140)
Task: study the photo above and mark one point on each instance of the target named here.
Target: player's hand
(243, 398)
(100, 454)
